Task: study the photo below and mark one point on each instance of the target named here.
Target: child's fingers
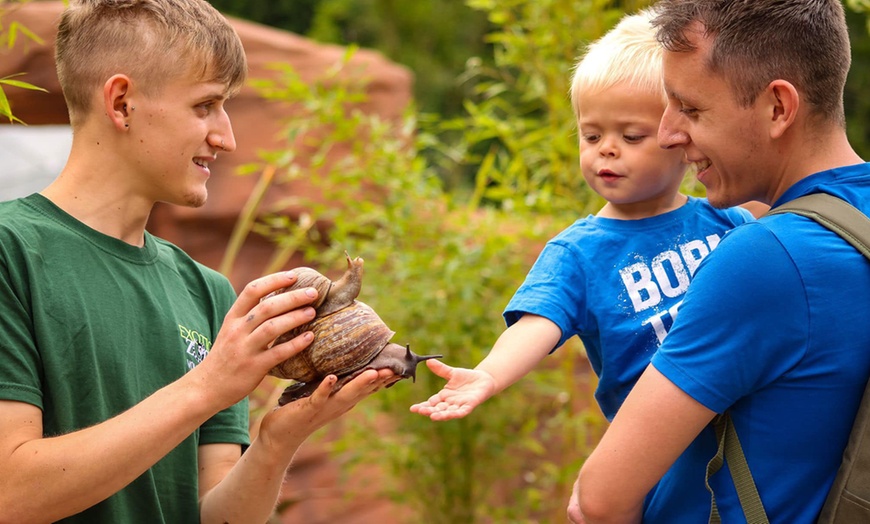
(439, 368)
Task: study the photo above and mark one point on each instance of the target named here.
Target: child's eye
(204, 108)
(591, 138)
(633, 139)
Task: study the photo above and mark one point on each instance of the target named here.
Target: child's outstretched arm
(516, 352)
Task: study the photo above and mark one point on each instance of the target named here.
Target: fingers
(330, 405)
(280, 352)
(266, 314)
(439, 368)
(440, 407)
(261, 298)
(258, 289)
(450, 412)
(368, 382)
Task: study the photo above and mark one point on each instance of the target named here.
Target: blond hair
(627, 54)
(149, 40)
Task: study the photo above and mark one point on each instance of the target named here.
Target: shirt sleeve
(555, 288)
(19, 373)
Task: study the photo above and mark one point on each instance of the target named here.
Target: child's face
(619, 152)
(175, 135)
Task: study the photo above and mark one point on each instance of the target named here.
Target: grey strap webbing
(844, 219)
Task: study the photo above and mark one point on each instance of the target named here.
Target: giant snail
(349, 337)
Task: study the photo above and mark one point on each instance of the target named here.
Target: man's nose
(670, 135)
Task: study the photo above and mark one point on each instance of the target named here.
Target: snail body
(349, 337)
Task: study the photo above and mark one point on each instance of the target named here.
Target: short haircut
(149, 40)
(805, 42)
(627, 54)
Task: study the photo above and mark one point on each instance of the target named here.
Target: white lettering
(658, 323)
(669, 273)
(713, 241)
(678, 270)
(640, 286)
(693, 252)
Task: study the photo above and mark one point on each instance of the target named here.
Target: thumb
(439, 368)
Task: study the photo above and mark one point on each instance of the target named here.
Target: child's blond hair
(149, 40)
(629, 53)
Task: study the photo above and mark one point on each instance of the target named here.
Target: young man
(774, 326)
(125, 364)
(615, 279)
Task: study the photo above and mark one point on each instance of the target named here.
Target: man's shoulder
(22, 216)
(187, 266)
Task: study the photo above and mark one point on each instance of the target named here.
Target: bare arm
(247, 490)
(517, 351)
(653, 427)
(47, 478)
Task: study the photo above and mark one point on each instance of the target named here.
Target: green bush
(444, 255)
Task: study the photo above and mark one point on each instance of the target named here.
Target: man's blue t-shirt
(776, 329)
(617, 284)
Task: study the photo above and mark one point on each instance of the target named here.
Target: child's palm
(465, 390)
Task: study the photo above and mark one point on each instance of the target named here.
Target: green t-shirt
(91, 326)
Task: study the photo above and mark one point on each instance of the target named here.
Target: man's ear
(783, 102)
(117, 101)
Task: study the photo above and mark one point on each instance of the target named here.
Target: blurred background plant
(449, 209)
(443, 257)
(10, 34)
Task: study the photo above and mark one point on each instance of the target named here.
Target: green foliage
(433, 38)
(442, 264)
(855, 98)
(439, 272)
(289, 15)
(9, 35)
(519, 126)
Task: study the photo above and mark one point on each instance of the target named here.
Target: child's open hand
(465, 390)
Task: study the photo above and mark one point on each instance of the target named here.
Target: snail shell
(349, 337)
(344, 341)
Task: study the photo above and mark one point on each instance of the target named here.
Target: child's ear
(116, 101)
(782, 102)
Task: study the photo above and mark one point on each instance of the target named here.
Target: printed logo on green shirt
(197, 345)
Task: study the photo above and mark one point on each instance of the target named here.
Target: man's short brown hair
(805, 42)
(148, 40)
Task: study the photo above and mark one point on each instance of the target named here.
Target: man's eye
(688, 111)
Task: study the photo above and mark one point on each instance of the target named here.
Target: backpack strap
(731, 450)
(835, 214)
(847, 221)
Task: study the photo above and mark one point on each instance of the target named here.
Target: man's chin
(720, 201)
(195, 198)
(724, 202)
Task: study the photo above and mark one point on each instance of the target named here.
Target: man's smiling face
(703, 116)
